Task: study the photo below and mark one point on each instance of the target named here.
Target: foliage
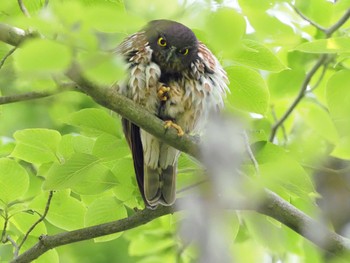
(289, 72)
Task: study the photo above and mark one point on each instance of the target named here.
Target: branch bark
(273, 205)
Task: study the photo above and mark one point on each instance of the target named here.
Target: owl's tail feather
(160, 186)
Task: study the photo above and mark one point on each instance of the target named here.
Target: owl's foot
(163, 93)
(169, 124)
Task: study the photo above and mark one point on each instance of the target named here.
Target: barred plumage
(167, 53)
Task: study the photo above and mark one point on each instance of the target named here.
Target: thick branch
(48, 242)
(273, 205)
(11, 35)
(109, 98)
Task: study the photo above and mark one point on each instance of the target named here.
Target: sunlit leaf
(14, 180)
(254, 54)
(104, 210)
(74, 170)
(41, 55)
(94, 121)
(65, 211)
(220, 30)
(248, 90)
(36, 145)
(272, 161)
(320, 121)
(338, 100)
(330, 45)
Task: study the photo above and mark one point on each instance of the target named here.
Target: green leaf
(342, 149)
(285, 84)
(14, 180)
(330, 45)
(65, 211)
(109, 17)
(42, 55)
(104, 210)
(109, 148)
(220, 32)
(36, 145)
(316, 10)
(254, 54)
(281, 173)
(66, 175)
(338, 100)
(248, 90)
(126, 190)
(49, 256)
(23, 221)
(149, 243)
(102, 68)
(319, 120)
(96, 180)
(95, 122)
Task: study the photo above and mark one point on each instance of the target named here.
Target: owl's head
(174, 45)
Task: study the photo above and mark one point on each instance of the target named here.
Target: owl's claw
(169, 124)
(163, 93)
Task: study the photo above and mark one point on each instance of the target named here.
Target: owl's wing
(132, 135)
(217, 81)
(131, 49)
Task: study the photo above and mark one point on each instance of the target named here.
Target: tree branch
(11, 35)
(111, 99)
(337, 25)
(2, 61)
(35, 94)
(308, 19)
(301, 94)
(36, 223)
(329, 31)
(48, 242)
(23, 8)
(272, 205)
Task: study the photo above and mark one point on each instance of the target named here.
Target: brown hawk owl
(178, 79)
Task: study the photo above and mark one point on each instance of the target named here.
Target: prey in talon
(163, 93)
(167, 52)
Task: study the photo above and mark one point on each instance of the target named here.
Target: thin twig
(36, 223)
(274, 116)
(14, 244)
(25, 96)
(308, 19)
(318, 82)
(301, 94)
(23, 8)
(36, 94)
(46, 3)
(3, 239)
(337, 25)
(2, 61)
(250, 153)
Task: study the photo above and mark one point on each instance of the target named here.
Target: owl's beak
(171, 53)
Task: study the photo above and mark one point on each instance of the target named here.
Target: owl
(177, 78)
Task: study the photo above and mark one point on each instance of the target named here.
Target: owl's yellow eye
(184, 51)
(161, 42)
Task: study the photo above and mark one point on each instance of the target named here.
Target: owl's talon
(163, 93)
(169, 124)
